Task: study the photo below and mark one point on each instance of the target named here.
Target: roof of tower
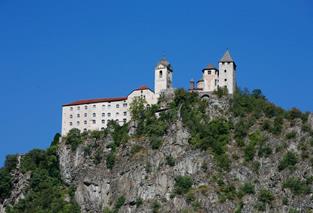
(209, 67)
(227, 57)
(165, 63)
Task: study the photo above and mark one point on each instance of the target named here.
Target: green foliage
(264, 197)
(289, 160)
(220, 92)
(135, 149)
(74, 138)
(227, 192)
(155, 206)
(182, 184)
(47, 192)
(297, 186)
(255, 139)
(110, 160)
(295, 113)
(5, 184)
(137, 108)
(98, 157)
(245, 103)
(247, 188)
(156, 142)
(291, 135)
(139, 202)
(56, 139)
(119, 203)
(223, 161)
(170, 160)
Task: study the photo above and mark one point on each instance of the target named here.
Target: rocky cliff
(225, 154)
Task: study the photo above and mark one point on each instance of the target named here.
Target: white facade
(95, 114)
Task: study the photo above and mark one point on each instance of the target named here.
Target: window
(71, 116)
(109, 105)
(109, 114)
(71, 123)
(94, 121)
(78, 123)
(124, 120)
(78, 108)
(161, 74)
(225, 71)
(103, 114)
(86, 107)
(225, 79)
(94, 114)
(117, 106)
(125, 113)
(117, 114)
(103, 121)
(78, 115)
(71, 108)
(94, 106)
(85, 115)
(102, 128)
(85, 122)
(124, 104)
(103, 106)
(85, 130)
(209, 72)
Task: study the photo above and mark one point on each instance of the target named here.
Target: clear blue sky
(54, 52)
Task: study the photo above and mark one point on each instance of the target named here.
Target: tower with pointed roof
(163, 77)
(227, 73)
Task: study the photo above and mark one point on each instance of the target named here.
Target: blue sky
(54, 52)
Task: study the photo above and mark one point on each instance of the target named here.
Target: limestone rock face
(20, 184)
(310, 120)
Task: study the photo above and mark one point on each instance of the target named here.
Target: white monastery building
(94, 114)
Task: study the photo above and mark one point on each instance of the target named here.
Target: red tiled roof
(143, 87)
(97, 100)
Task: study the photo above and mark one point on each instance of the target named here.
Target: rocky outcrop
(20, 184)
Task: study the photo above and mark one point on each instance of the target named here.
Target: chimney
(191, 84)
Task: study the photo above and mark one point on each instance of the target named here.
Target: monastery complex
(94, 114)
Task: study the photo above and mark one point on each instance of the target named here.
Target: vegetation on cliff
(248, 135)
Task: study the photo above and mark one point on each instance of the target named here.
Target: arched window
(161, 74)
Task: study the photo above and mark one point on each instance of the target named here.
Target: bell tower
(163, 77)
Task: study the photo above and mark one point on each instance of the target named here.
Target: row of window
(103, 106)
(95, 122)
(95, 115)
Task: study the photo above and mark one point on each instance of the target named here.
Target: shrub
(5, 184)
(265, 196)
(135, 149)
(170, 160)
(297, 186)
(291, 135)
(110, 160)
(98, 157)
(155, 206)
(139, 202)
(119, 203)
(155, 142)
(264, 150)
(223, 161)
(289, 160)
(247, 188)
(182, 184)
(74, 138)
